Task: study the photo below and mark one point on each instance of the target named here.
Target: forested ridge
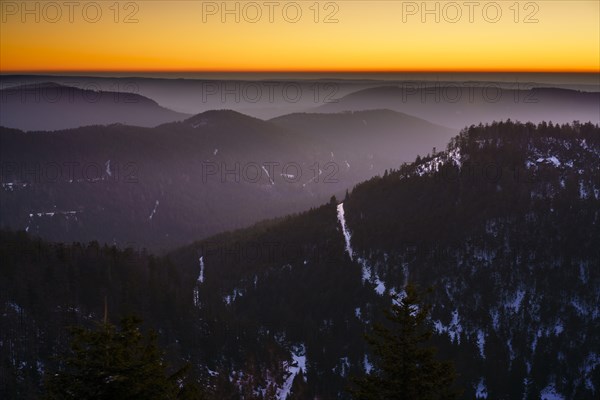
(503, 225)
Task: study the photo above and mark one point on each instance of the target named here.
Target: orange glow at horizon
(302, 36)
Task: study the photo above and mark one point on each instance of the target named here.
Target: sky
(343, 36)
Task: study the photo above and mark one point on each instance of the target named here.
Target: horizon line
(300, 71)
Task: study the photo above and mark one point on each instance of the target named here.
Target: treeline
(47, 287)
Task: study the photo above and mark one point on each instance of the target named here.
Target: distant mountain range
(260, 98)
(459, 106)
(455, 103)
(49, 106)
(165, 186)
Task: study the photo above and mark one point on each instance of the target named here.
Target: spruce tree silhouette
(405, 367)
(110, 363)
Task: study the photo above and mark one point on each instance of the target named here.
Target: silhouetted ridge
(117, 97)
(214, 117)
(51, 106)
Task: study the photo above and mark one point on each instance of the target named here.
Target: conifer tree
(110, 363)
(405, 367)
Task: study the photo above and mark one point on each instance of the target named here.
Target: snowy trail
(342, 219)
(367, 274)
(198, 282)
(201, 276)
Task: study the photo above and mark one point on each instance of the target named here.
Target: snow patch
(366, 272)
(153, 211)
(268, 176)
(583, 193)
(511, 351)
(107, 168)
(379, 286)
(313, 178)
(552, 160)
(66, 214)
(368, 365)
(346, 232)
(529, 164)
(580, 308)
(10, 186)
(230, 298)
(495, 314)
(201, 276)
(198, 282)
(196, 296)
(481, 343)
(453, 329)
(481, 390)
(591, 362)
(453, 156)
(429, 167)
(357, 312)
(550, 393)
(298, 364)
(515, 303)
(14, 307)
(370, 276)
(558, 328)
(537, 335)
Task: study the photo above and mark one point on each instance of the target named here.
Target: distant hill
(169, 185)
(383, 134)
(459, 106)
(49, 106)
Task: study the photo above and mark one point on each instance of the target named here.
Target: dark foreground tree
(405, 367)
(110, 363)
